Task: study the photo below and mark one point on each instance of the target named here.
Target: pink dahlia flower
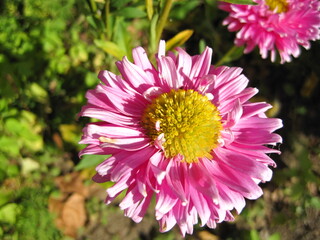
(275, 24)
(184, 133)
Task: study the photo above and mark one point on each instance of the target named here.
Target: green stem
(93, 6)
(107, 18)
(163, 19)
(149, 6)
(226, 57)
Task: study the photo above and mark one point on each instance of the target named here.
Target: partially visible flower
(184, 133)
(282, 25)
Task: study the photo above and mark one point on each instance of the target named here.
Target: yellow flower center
(279, 5)
(188, 121)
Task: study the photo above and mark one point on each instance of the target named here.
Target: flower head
(281, 25)
(184, 133)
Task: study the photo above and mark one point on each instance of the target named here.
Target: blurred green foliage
(45, 68)
(50, 54)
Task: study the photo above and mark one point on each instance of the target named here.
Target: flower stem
(93, 6)
(234, 53)
(163, 19)
(107, 18)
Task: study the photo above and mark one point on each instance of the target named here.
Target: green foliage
(181, 9)
(50, 55)
(244, 2)
(24, 215)
(90, 161)
(42, 58)
(34, 220)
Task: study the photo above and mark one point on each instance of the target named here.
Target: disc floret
(189, 123)
(279, 5)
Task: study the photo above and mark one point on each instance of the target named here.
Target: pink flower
(275, 24)
(184, 133)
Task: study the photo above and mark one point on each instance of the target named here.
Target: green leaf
(179, 39)
(131, 12)
(149, 8)
(91, 21)
(163, 18)
(254, 235)
(119, 3)
(121, 37)
(95, 22)
(275, 236)
(233, 54)
(3, 104)
(34, 220)
(243, 2)
(202, 45)
(153, 33)
(79, 53)
(9, 146)
(110, 48)
(3, 176)
(24, 132)
(38, 93)
(12, 171)
(89, 161)
(28, 165)
(4, 197)
(181, 9)
(70, 132)
(8, 213)
(63, 64)
(91, 79)
(315, 202)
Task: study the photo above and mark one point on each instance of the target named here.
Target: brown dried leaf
(72, 183)
(55, 205)
(205, 235)
(70, 213)
(73, 214)
(57, 140)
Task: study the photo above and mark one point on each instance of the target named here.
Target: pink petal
(201, 64)
(167, 222)
(233, 179)
(184, 65)
(270, 124)
(110, 79)
(234, 115)
(251, 109)
(200, 204)
(158, 166)
(166, 199)
(227, 104)
(133, 74)
(106, 115)
(176, 178)
(123, 102)
(100, 179)
(162, 49)
(130, 162)
(112, 131)
(119, 186)
(128, 144)
(168, 72)
(231, 199)
(140, 58)
(244, 164)
(202, 181)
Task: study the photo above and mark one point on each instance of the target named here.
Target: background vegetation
(50, 55)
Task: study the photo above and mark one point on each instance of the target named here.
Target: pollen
(279, 5)
(188, 123)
